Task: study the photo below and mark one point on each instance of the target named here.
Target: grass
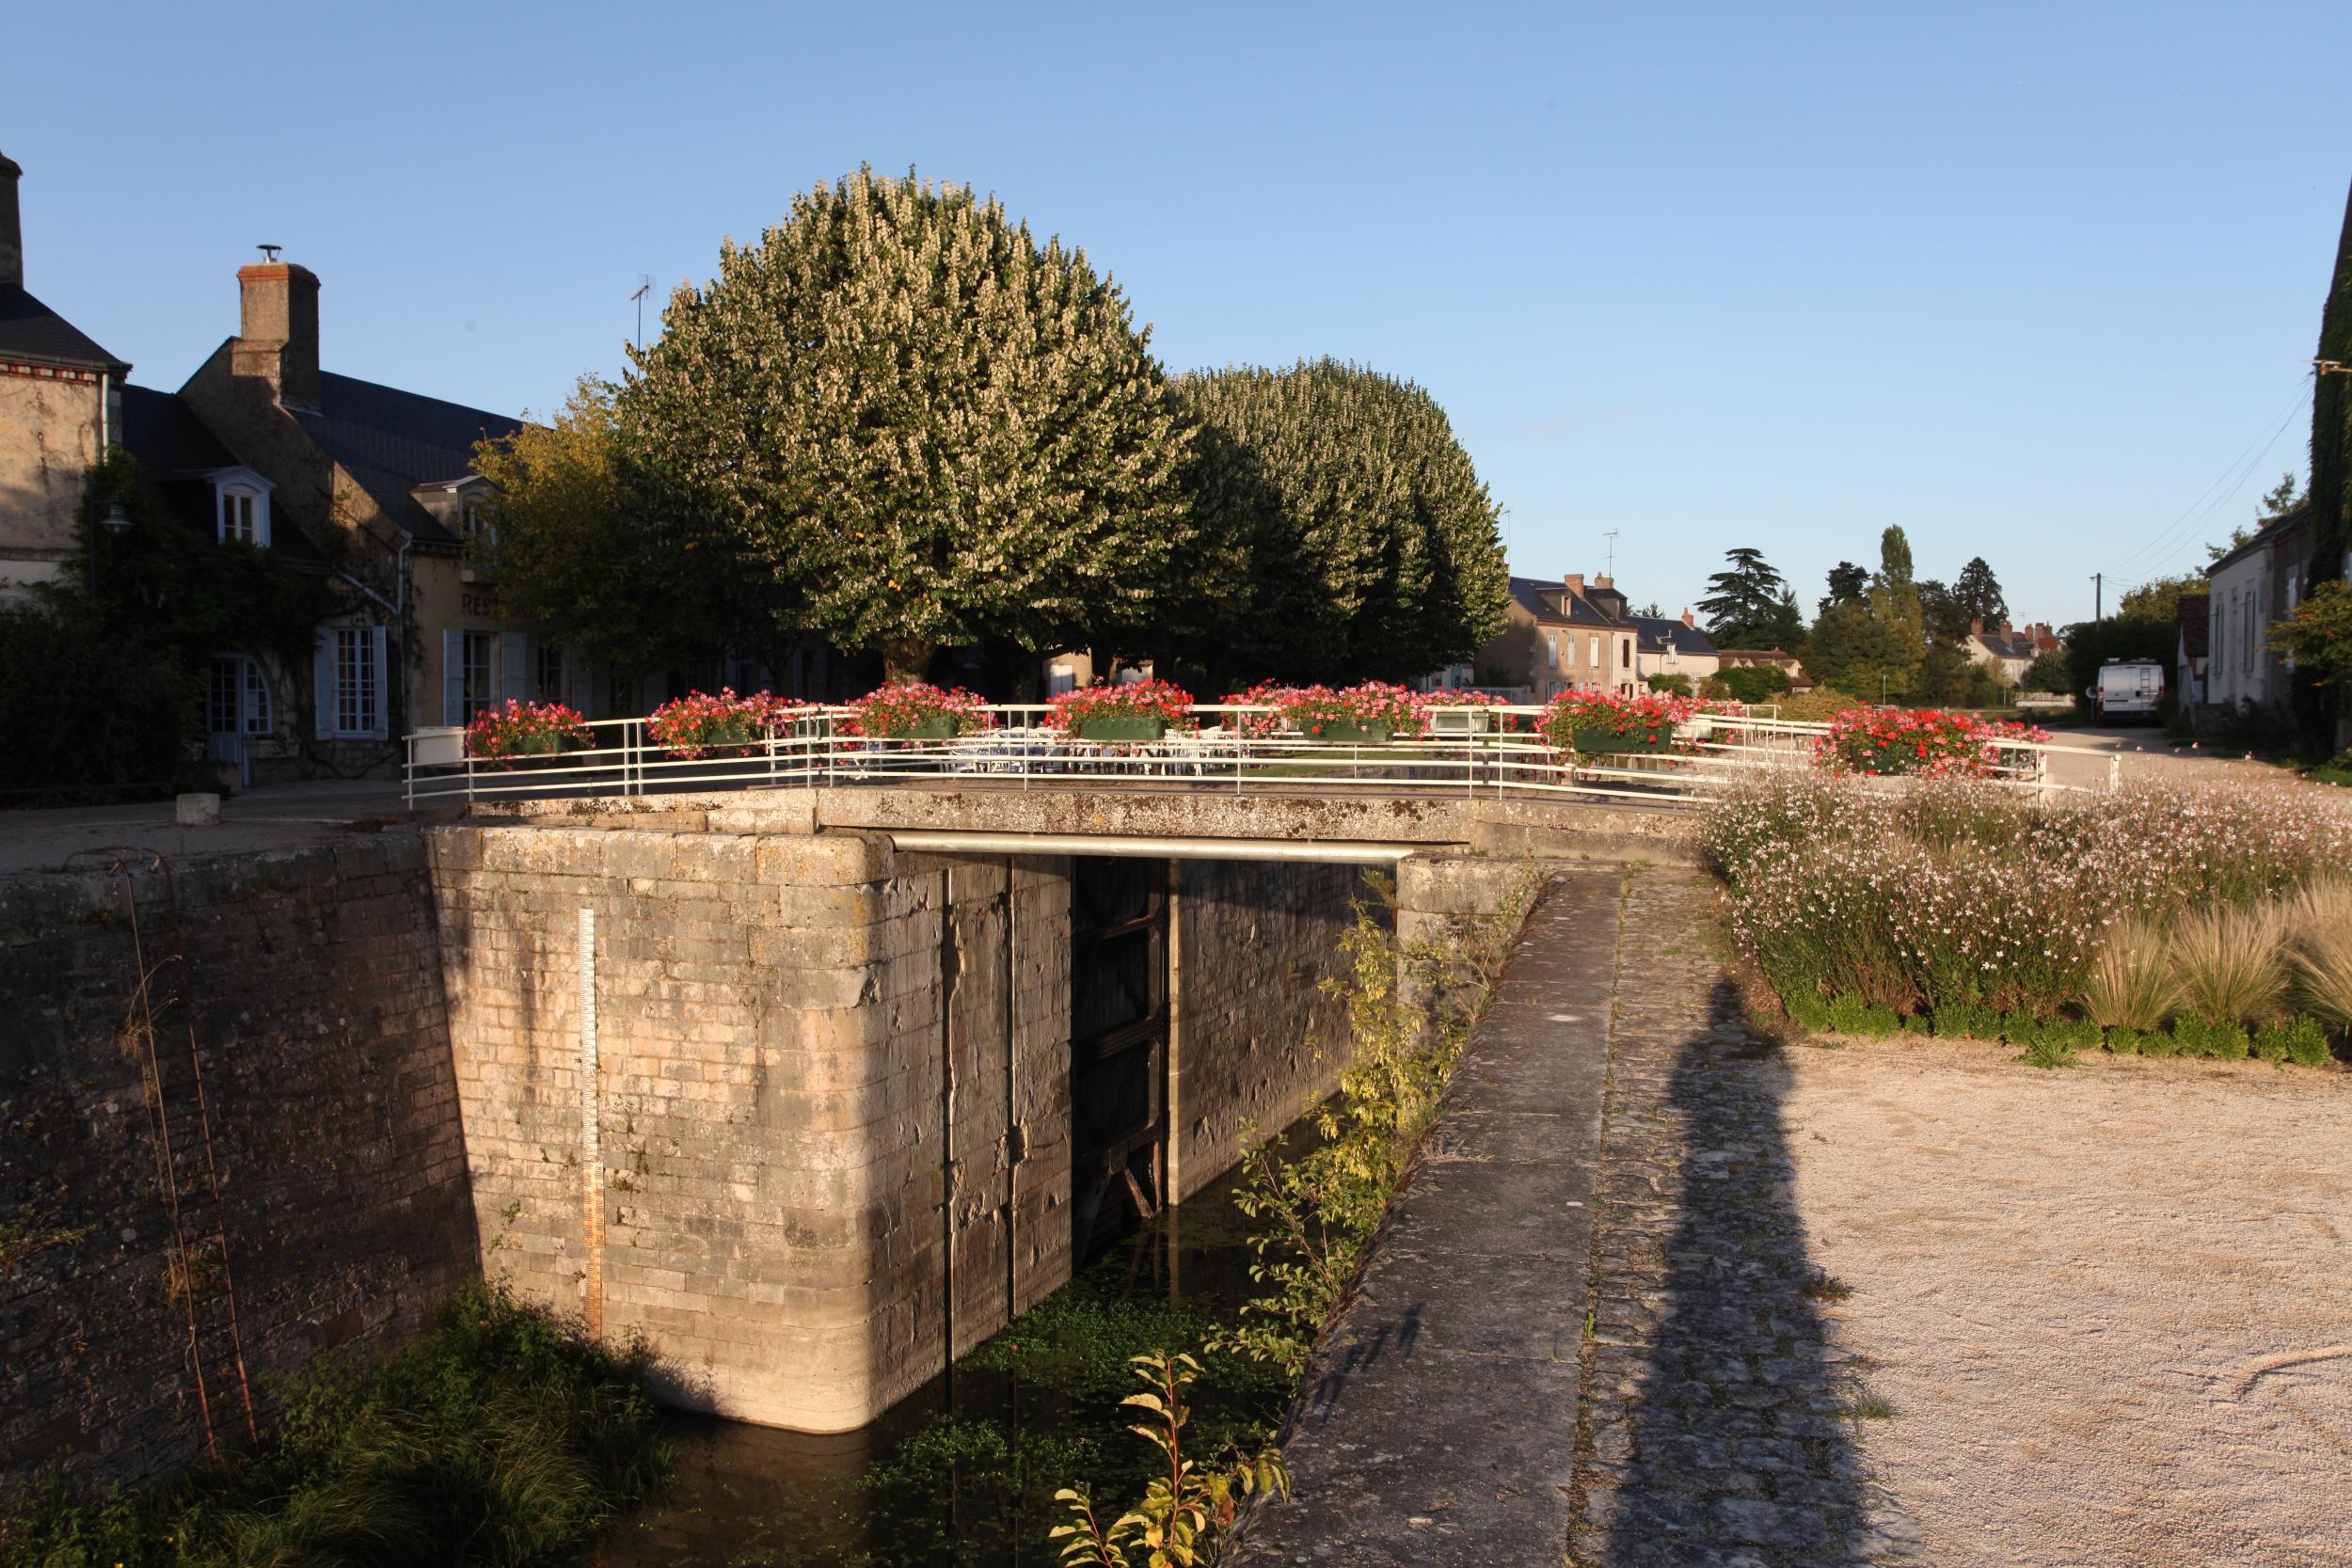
(2321, 954)
(502, 1439)
(2132, 984)
(2232, 962)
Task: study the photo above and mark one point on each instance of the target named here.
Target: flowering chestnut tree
(921, 426)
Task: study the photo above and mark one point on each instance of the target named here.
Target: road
(275, 816)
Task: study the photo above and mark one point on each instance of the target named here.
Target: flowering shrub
(1965, 901)
(1919, 740)
(1268, 695)
(895, 710)
(1312, 709)
(1633, 723)
(1151, 699)
(516, 729)
(726, 725)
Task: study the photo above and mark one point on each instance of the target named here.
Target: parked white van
(2128, 689)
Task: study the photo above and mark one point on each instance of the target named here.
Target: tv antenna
(644, 287)
(1612, 537)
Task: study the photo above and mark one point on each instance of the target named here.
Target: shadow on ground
(1721, 1415)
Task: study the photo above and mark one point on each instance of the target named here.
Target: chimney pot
(1574, 583)
(1976, 626)
(1686, 617)
(11, 225)
(1603, 581)
(277, 330)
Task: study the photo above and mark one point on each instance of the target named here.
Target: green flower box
(1345, 731)
(939, 727)
(1125, 726)
(535, 745)
(1596, 742)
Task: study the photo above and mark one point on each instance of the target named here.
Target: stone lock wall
(1257, 1039)
(312, 984)
(803, 1044)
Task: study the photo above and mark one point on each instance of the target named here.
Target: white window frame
(252, 493)
(352, 692)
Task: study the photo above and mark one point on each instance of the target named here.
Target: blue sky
(2033, 282)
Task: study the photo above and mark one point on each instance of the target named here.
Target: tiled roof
(1656, 629)
(2269, 533)
(31, 330)
(390, 441)
(1531, 592)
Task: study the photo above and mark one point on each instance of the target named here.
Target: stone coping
(1437, 1422)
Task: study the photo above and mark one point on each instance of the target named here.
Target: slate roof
(2014, 645)
(180, 451)
(163, 433)
(31, 330)
(390, 441)
(1530, 592)
(2287, 522)
(1655, 629)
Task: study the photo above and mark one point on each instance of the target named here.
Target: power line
(2170, 539)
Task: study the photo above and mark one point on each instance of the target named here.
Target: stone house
(382, 481)
(1667, 646)
(1563, 636)
(61, 405)
(1787, 663)
(2252, 588)
(2009, 651)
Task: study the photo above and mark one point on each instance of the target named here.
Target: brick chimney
(1603, 581)
(1976, 626)
(278, 332)
(1574, 583)
(11, 225)
(1686, 618)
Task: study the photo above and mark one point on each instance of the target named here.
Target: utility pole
(2098, 593)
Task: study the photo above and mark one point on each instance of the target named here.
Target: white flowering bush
(1972, 906)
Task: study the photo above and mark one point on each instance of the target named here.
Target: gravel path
(1914, 1302)
(2112, 1306)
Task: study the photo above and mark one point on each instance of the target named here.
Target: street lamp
(117, 522)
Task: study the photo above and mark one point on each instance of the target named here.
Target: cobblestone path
(1722, 1420)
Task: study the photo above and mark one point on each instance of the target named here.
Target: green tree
(1371, 545)
(2319, 634)
(587, 542)
(919, 427)
(1847, 583)
(1754, 683)
(2316, 707)
(1946, 618)
(1747, 605)
(2050, 674)
(1978, 593)
(2162, 596)
(1893, 605)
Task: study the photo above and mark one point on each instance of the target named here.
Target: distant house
(2252, 588)
(1729, 658)
(2009, 651)
(1665, 646)
(61, 406)
(1563, 636)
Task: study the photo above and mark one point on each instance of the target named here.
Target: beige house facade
(1566, 636)
(60, 404)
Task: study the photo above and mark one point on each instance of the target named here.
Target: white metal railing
(1467, 755)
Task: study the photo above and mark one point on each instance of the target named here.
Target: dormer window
(237, 521)
(474, 525)
(243, 507)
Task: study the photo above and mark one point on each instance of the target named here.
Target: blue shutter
(452, 677)
(381, 728)
(323, 684)
(515, 676)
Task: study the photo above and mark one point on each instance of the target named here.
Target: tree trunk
(907, 659)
